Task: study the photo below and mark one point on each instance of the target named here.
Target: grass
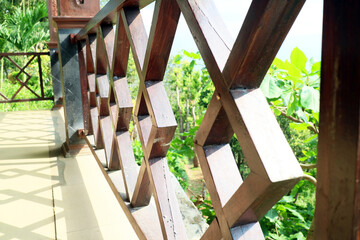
(8, 88)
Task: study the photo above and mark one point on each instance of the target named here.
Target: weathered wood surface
(237, 68)
(243, 110)
(106, 56)
(338, 192)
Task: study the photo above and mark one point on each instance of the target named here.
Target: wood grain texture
(224, 228)
(253, 122)
(136, 34)
(121, 49)
(127, 161)
(84, 86)
(159, 105)
(254, 198)
(92, 38)
(213, 232)
(92, 89)
(167, 206)
(210, 33)
(108, 139)
(262, 33)
(145, 226)
(96, 128)
(74, 8)
(101, 62)
(166, 16)
(89, 58)
(265, 134)
(223, 170)
(108, 14)
(108, 36)
(142, 192)
(338, 171)
(237, 106)
(102, 83)
(124, 103)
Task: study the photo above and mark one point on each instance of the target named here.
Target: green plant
(292, 90)
(206, 208)
(137, 149)
(288, 220)
(175, 158)
(26, 30)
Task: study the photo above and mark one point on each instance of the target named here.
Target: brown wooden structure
(24, 83)
(237, 68)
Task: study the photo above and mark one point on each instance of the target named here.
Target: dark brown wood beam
(337, 204)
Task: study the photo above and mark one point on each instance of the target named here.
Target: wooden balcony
(102, 194)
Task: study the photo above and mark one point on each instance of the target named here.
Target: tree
(190, 81)
(190, 89)
(26, 30)
(23, 30)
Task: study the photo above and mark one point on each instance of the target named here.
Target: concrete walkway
(46, 196)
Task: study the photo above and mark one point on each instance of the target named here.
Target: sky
(304, 34)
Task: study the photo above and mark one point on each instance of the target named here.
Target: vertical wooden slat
(101, 56)
(162, 33)
(84, 86)
(40, 76)
(136, 33)
(108, 37)
(142, 191)
(121, 49)
(337, 204)
(165, 199)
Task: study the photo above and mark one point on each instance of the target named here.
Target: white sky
(305, 33)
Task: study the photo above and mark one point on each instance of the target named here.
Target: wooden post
(337, 204)
(72, 16)
(54, 58)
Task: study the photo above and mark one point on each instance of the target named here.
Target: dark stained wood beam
(137, 36)
(121, 49)
(265, 27)
(166, 16)
(108, 14)
(338, 171)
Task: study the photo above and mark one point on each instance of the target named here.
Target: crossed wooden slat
(23, 84)
(110, 107)
(153, 115)
(238, 106)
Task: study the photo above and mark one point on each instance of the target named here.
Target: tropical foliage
(24, 28)
(292, 90)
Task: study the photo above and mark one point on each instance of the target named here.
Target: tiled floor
(36, 183)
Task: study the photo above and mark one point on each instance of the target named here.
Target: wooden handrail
(238, 106)
(108, 14)
(34, 56)
(236, 67)
(25, 54)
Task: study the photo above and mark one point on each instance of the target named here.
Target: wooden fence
(24, 83)
(237, 68)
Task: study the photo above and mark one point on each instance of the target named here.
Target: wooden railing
(238, 106)
(24, 84)
(237, 68)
